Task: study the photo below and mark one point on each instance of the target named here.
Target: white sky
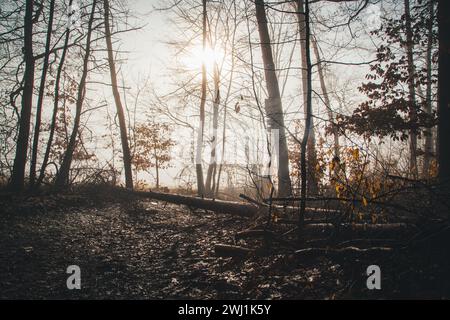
(149, 55)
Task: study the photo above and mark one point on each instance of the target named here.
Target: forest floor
(145, 249)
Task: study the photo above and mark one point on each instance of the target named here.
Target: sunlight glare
(196, 56)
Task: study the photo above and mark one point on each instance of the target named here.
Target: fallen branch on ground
(347, 252)
(361, 230)
(221, 206)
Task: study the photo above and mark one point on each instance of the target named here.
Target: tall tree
(55, 104)
(228, 93)
(118, 102)
(428, 133)
(211, 174)
(37, 126)
(312, 183)
(273, 106)
(303, 166)
(412, 90)
(326, 99)
(62, 178)
(198, 158)
(18, 174)
(443, 146)
(392, 108)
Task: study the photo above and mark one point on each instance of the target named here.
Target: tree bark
(412, 92)
(37, 126)
(220, 206)
(18, 175)
(273, 106)
(156, 169)
(198, 158)
(428, 155)
(232, 207)
(118, 102)
(312, 183)
(443, 113)
(216, 192)
(55, 106)
(230, 82)
(326, 99)
(62, 177)
(210, 177)
(306, 133)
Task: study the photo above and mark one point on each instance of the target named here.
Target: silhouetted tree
(18, 174)
(62, 178)
(117, 100)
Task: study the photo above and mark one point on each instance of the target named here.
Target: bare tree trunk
(428, 107)
(55, 106)
(443, 146)
(326, 99)
(226, 100)
(412, 91)
(62, 177)
(37, 126)
(198, 158)
(119, 107)
(223, 151)
(312, 183)
(273, 106)
(18, 174)
(157, 171)
(303, 167)
(213, 162)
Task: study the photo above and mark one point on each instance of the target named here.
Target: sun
(196, 56)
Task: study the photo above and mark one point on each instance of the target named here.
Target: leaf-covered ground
(139, 249)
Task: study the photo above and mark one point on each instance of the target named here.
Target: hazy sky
(149, 55)
(147, 52)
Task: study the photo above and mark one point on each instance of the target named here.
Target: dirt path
(152, 250)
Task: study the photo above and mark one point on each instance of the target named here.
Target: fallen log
(220, 206)
(360, 230)
(227, 251)
(350, 231)
(347, 252)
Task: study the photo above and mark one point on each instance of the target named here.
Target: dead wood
(361, 230)
(228, 207)
(220, 206)
(347, 252)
